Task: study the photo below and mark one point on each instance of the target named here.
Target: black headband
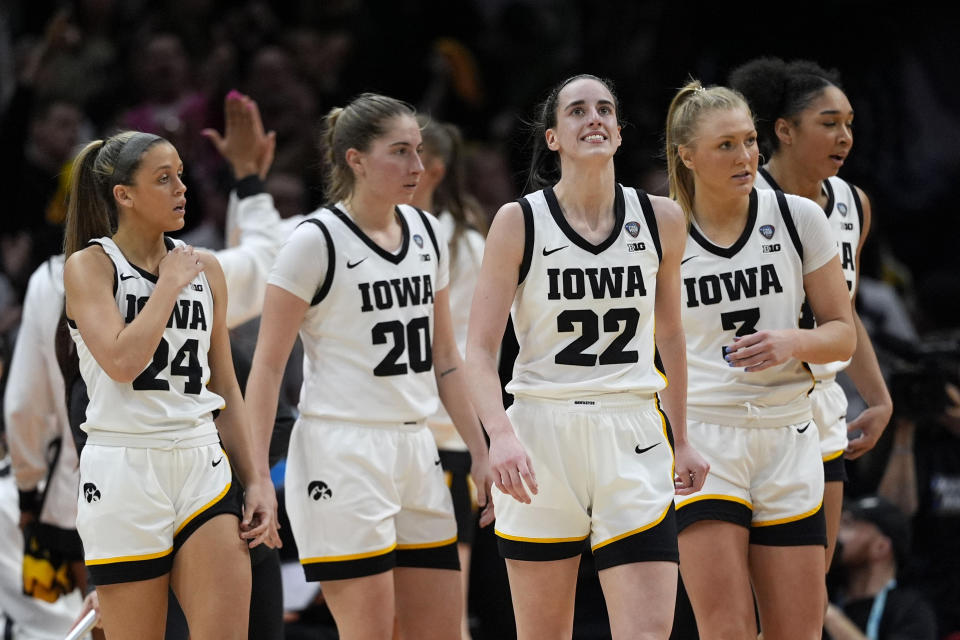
(130, 154)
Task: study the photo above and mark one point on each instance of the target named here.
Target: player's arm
(864, 371)
(492, 297)
(452, 386)
(691, 468)
(259, 522)
(123, 350)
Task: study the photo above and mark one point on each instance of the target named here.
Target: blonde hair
(355, 126)
(690, 104)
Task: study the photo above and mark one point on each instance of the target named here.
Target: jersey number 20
(414, 339)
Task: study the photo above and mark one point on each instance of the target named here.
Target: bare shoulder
(669, 214)
(90, 264)
(213, 270)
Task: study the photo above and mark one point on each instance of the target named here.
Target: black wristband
(30, 501)
(249, 186)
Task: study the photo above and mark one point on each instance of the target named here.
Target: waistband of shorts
(201, 436)
(319, 421)
(751, 415)
(826, 381)
(593, 403)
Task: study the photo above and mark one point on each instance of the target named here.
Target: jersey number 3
(746, 318)
(573, 353)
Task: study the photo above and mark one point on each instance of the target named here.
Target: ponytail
(97, 169)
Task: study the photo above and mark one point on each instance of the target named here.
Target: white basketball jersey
(368, 335)
(584, 313)
(845, 215)
(170, 398)
(753, 285)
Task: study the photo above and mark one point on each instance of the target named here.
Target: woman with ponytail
(585, 455)
(441, 189)
(751, 257)
(806, 131)
(364, 281)
(157, 508)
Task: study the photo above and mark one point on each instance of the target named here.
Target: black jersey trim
(433, 236)
(859, 204)
(116, 279)
(324, 287)
(651, 219)
(527, 239)
(831, 198)
(619, 213)
(769, 178)
(394, 258)
(732, 250)
(788, 221)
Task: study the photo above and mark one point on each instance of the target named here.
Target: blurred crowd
(82, 69)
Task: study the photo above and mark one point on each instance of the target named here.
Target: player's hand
(511, 466)
(871, 424)
(760, 350)
(90, 603)
(260, 524)
(244, 144)
(690, 469)
(480, 470)
(181, 265)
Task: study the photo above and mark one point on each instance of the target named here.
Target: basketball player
(750, 257)
(585, 455)
(462, 222)
(805, 125)
(364, 281)
(156, 507)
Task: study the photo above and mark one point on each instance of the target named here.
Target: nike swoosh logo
(351, 265)
(687, 259)
(218, 462)
(546, 253)
(644, 450)
(436, 462)
(126, 276)
(805, 427)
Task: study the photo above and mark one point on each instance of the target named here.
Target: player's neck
(720, 215)
(792, 178)
(369, 212)
(144, 249)
(588, 195)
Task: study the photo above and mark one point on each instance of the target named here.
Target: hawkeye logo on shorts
(842, 208)
(767, 231)
(319, 491)
(633, 228)
(90, 492)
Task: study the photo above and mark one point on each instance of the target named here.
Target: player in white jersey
(462, 225)
(805, 125)
(585, 267)
(147, 314)
(364, 281)
(750, 258)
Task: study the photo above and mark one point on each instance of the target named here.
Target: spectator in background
(874, 543)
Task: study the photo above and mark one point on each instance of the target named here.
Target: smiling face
(723, 153)
(157, 192)
(391, 167)
(820, 136)
(586, 121)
